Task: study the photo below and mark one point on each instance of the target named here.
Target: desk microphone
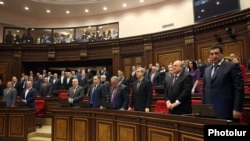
(193, 114)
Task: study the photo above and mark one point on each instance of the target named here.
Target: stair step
(39, 139)
(41, 134)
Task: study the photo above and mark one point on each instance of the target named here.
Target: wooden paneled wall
(191, 42)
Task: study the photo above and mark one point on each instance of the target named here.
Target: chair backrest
(161, 107)
(194, 101)
(39, 104)
(40, 107)
(63, 95)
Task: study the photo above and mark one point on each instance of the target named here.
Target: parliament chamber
(113, 125)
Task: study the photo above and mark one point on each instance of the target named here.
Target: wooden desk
(16, 123)
(70, 124)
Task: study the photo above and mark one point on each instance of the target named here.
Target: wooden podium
(16, 123)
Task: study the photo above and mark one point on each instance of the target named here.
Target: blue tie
(92, 93)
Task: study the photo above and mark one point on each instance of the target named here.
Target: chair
(195, 102)
(246, 88)
(161, 107)
(63, 95)
(40, 107)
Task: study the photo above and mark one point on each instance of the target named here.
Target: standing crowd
(223, 86)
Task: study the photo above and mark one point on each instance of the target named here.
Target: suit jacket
(30, 98)
(45, 90)
(56, 84)
(125, 81)
(83, 81)
(77, 96)
(97, 97)
(142, 98)
(156, 78)
(225, 90)
(67, 85)
(180, 90)
(10, 96)
(18, 88)
(121, 97)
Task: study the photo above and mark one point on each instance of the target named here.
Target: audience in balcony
(9, 38)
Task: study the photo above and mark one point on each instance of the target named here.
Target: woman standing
(195, 73)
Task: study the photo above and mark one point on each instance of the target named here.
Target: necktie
(113, 95)
(74, 91)
(174, 80)
(214, 71)
(138, 85)
(92, 93)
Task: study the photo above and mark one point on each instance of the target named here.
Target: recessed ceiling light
(67, 12)
(105, 8)
(124, 5)
(1, 3)
(48, 11)
(86, 11)
(141, 1)
(26, 8)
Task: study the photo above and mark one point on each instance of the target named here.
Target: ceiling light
(124, 5)
(1, 3)
(26, 8)
(67, 12)
(86, 11)
(105, 8)
(141, 1)
(48, 11)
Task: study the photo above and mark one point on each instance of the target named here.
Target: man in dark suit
(67, 81)
(132, 77)
(75, 93)
(55, 82)
(118, 94)
(29, 94)
(178, 90)
(45, 88)
(141, 92)
(123, 79)
(9, 95)
(154, 76)
(83, 81)
(97, 93)
(16, 85)
(223, 86)
(105, 72)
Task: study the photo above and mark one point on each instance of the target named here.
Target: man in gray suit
(9, 95)
(75, 93)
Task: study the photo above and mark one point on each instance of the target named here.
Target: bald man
(178, 90)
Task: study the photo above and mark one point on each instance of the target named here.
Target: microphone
(193, 114)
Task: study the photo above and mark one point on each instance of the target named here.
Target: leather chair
(196, 101)
(40, 107)
(161, 107)
(63, 95)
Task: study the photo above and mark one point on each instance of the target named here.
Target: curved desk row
(84, 124)
(16, 123)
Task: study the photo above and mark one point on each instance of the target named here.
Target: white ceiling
(37, 8)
